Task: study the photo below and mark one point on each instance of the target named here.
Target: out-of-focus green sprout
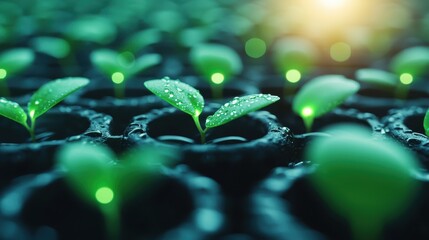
(189, 100)
(91, 28)
(294, 57)
(45, 98)
(119, 67)
(321, 95)
(12, 62)
(368, 182)
(52, 46)
(217, 64)
(426, 123)
(410, 65)
(100, 178)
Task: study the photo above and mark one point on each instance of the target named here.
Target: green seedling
(92, 28)
(294, 57)
(426, 123)
(217, 64)
(120, 67)
(410, 65)
(103, 180)
(41, 101)
(368, 182)
(189, 100)
(55, 47)
(321, 95)
(384, 80)
(13, 62)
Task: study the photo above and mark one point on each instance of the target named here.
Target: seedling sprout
(13, 62)
(321, 95)
(120, 67)
(410, 65)
(189, 100)
(293, 57)
(105, 181)
(41, 101)
(369, 182)
(217, 64)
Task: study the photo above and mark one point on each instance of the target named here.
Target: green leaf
(426, 123)
(16, 60)
(141, 39)
(52, 93)
(377, 77)
(321, 95)
(88, 167)
(367, 181)
(414, 60)
(92, 28)
(106, 61)
(144, 62)
(55, 47)
(181, 95)
(239, 107)
(13, 111)
(294, 53)
(209, 59)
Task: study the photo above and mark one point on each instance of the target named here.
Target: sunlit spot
(217, 78)
(118, 77)
(332, 3)
(197, 113)
(104, 195)
(293, 75)
(307, 111)
(32, 112)
(340, 51)
(406, 78)
(255, 47)
(3, 73)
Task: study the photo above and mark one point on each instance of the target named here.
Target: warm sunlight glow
(332, 3)
(340, 51)
(293, 76)
(217, 78)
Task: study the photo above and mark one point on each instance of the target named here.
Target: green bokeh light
(255, 47)
(406, 78)
(3, 73)
(340, 51)
(217, 78)
(307, 112)
(118, 77)
(104, 195)
(293, 76)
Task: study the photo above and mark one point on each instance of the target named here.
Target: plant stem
(402, 91)
(4, 90)
(308, 122)
(119, 90)
(31, 129)
(112, 220)
(217, 91)
(200, 129)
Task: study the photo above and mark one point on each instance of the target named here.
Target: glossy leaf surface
(181, 95)
(13, 111)
(239, 107)
(52, 93)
